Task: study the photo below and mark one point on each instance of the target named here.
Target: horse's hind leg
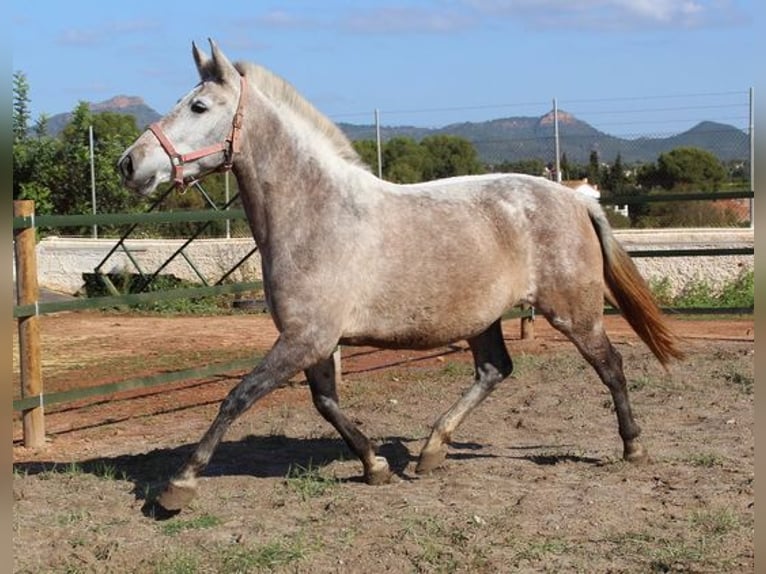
(589, 337)
(321, 379)
(492, 364)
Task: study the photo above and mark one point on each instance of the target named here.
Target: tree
(615, 180)
(33, 157)
(685, 169)
(368, 152)
(21, 114)
(55, 172)
(449, 156)
(565, 167)
(404, 160)
(112, 134)
(691, 168)
(71, 194)
(594, 168)
(33, 177)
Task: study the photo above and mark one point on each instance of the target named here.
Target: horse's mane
(278, 89)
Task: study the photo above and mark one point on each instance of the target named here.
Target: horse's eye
(198, 107)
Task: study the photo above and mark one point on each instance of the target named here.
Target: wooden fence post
(528, 323)
(29, 330)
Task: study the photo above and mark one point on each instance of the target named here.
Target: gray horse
(351, 259)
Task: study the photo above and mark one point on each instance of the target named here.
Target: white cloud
(612, 14)
(106, 32)
(450, 16)
(392, 18)
(664, 11)
(133, 26)
(284, 19)
(407, 19)
(74, 37)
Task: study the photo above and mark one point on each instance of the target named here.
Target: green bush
(96, 285)
(740, 292)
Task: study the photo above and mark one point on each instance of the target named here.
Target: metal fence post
(29, 330)
(378, 143)
(751, 129)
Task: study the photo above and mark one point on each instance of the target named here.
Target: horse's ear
(200, 59)
(222, 68)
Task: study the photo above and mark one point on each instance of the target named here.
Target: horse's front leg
(286, 359)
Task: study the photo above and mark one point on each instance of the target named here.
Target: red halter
(229, 146)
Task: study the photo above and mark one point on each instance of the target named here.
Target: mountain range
(512, 138)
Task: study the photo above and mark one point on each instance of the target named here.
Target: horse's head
(199, 135)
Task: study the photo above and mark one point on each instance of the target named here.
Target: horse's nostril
(126, 167)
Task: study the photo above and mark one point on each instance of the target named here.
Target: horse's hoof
(178, 494)
(379, 473)
(431, 460)
(635, 453)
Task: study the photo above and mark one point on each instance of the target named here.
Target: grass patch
(639, 384)
(179, 562)
(174, 527)
(106, 471)
(452, 369)
(274, 554)
(70, 469)
(706, 460)
(72, 517)
(308, 482)
(742, 381)
(525, 363)
(701, 549)
(675, 556)
(435, 544)
(715, 522)
(536, 551)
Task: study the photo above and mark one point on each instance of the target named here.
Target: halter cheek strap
(229, 146)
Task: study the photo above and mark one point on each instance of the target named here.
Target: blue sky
(625, 66)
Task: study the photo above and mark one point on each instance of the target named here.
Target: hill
(130, 105)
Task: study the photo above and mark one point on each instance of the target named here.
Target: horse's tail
(630, 293)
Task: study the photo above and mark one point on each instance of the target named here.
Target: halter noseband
(229, 146)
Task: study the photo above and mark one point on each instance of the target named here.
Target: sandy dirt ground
(533, 481)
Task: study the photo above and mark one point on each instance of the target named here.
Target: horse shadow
(271, 456)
